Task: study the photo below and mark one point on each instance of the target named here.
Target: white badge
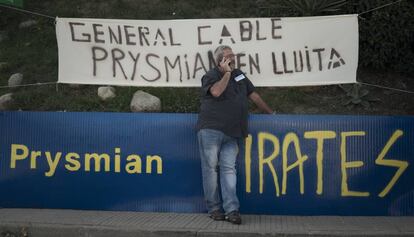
(239, 77)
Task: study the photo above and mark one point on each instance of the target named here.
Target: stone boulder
(16, 79)
(144, 102)
(27, 24)
(5, 101)
(106, 92)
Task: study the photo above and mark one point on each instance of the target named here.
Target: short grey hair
(218, 52)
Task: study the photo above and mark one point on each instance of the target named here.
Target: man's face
(228, 54)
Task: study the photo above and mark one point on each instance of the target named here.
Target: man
(222, 122)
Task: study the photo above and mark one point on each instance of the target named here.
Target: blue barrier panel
(290, 165)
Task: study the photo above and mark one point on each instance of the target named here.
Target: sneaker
(217, 215)
(234, 217)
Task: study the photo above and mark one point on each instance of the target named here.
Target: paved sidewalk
(72, 223)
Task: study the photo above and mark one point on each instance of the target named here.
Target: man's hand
(225, 65)
(218, 88)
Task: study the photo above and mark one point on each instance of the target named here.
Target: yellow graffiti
(73, 161)
(97, 158)
(289, 139)
(158, 161)
(117, 159)
(262, 137)
(248, 163)
(347, 165)
(134, 166)
(15, 156)
(401, 165)
(320, 136)
(33, 156)
(264, 140)
(52, 162)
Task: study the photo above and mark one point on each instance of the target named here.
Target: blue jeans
(218, 154)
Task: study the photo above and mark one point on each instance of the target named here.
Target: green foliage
(315, 7)
(357, 95)
(386, 35)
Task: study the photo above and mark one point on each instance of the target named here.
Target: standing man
(222, 122)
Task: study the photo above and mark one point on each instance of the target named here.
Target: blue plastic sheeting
(290, 165)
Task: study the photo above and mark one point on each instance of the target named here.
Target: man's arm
(260, 103)
(217, 88)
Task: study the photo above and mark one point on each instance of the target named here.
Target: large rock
(144, 102)
(16, 79)
(5, 101)
(26, 24)
(106, 92)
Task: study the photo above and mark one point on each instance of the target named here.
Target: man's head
(224, 51)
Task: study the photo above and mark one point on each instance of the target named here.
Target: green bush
(386, 35)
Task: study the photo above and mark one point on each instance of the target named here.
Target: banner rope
(34, 84)
(385, 87)
(382, 6)
(54, 18)
(27, 11)
(51, 17)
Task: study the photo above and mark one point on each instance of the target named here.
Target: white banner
(177, 53)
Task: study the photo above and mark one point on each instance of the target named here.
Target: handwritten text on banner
(176, 53)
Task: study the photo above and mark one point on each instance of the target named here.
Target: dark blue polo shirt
(228, 112)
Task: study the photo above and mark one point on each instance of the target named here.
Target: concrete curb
(70, 223)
